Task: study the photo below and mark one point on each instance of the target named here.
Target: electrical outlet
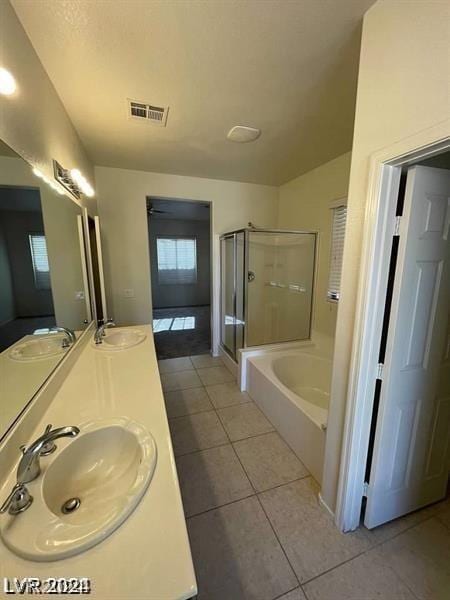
(128, 293)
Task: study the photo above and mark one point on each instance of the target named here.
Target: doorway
(396, 454)
(180, 265)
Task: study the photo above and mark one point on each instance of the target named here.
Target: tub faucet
(71, 338)
(101, 330)
(29, 467)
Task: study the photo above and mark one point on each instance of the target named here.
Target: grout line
(278, 540)
(284, 483)
(262, 508)
(208, 510)
(297, 587)
(201, 450)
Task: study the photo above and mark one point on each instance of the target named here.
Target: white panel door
(410, 461)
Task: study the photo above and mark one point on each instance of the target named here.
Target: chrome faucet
(100, 332)
(29, 467)
(71, 338)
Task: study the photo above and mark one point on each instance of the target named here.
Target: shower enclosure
(267, 279)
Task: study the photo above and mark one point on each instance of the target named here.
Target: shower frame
(247, 231)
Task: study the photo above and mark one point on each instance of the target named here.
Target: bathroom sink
(43, 347)
(120, 339)
(87, 490)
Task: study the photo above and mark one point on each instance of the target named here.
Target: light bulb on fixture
(82, 183)
(7, 82)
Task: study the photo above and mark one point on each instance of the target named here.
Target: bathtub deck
(255, 525)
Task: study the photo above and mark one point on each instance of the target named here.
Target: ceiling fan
(152, 211)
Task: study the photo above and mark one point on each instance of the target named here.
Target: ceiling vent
(147, 112)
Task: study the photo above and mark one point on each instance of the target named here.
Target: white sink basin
(101, 475)
(38, 349)
(120, 339)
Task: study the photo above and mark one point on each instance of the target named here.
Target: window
(177, 260)
(337, 249)
(39, 257)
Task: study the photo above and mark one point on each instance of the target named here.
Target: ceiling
(288, 67)
(178, 209)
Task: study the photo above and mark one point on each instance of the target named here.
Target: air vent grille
(148, 112)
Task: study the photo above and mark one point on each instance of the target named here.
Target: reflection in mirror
(43, 284)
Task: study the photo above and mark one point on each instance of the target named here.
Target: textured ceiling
(288, 67)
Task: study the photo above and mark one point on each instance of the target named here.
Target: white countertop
(149, 556)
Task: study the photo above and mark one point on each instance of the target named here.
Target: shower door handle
(251, 276)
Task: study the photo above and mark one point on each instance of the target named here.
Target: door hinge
(398, 219)
(380, 368)
(365, 489)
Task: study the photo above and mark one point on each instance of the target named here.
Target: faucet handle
(49, 447)
(18, 500)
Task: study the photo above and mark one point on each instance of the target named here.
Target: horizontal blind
(177, 260)
(337, 251)
(39, 257)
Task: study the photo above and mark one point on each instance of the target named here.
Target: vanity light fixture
(82, 183)
(7, 83)
(74, 181)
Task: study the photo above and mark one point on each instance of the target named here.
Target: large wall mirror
(43, 282)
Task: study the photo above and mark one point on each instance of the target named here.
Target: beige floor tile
(296, 594)
(196, 432)
(187, 402)
(180, 380)
(268, 461)
(202, 361)
(170, 365)
(227, 394)
(236, 554)
(214, 375)
(211, 478)
(243, 421)
(421, 557)
(389, 530)
(366, 577)
(308, 535)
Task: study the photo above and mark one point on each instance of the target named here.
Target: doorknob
(251, 276)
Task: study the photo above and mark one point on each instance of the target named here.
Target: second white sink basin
(120, 339)
(88, 490)
(38, 349)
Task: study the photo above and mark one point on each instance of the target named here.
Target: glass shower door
(279, 286)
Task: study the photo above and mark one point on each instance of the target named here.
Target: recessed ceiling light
(7, 82)
(243, 134)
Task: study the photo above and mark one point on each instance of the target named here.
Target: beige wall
(403, 89)
(122, 209)
(304, 203)
(33, 121)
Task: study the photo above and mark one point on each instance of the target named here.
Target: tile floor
(256, 529)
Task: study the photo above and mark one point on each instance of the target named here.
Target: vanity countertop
(148, 556)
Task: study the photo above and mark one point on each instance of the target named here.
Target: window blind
(39, 257)
(177, 260)
(337, 250)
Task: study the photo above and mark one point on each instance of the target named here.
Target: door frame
(379, 224)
